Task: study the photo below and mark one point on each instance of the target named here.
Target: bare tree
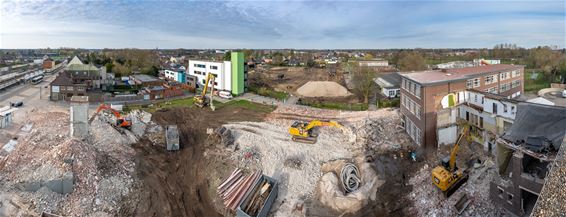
(362, 79)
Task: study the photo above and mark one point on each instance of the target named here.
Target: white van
(225, 94)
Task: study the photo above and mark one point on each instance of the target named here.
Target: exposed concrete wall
(79, 116)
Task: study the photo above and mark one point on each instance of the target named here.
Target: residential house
(63, 88)
(176, 75)
(422, 94)
(389, 83)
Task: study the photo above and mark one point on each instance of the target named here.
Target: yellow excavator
(447, 177)
(304, 131)
(201, 100)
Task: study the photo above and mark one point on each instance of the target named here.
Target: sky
(170, 24)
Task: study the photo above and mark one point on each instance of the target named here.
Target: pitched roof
(81, 67)
(62, 80)
(440, 76)
(390, 80)
(75, 60)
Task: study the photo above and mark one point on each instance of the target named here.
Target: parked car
(16, 104)
(225, 94)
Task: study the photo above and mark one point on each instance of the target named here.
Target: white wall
(447, 136)
(223, 72)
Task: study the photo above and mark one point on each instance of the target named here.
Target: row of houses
(79, 79)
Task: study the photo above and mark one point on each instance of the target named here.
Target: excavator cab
(446, 176)
(305, 132)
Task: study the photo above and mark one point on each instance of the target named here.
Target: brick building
(422, 93)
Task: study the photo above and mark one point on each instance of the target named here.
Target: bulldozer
(123, 122)
(201, 100)
(447, 176)
(304, 131)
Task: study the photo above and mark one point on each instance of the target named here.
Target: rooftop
(390, 80)
(62, 80)
(440, 76)
(144, 77)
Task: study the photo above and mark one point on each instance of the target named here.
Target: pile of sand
(323, 89)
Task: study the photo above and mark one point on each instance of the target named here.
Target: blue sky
(280, 24)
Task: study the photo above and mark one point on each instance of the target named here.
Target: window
(490, 79)
(471, 83)
(509, 198)
(505, 87)
(504, 108)
(515, 84)
(391, 93)
(494, 108)
(467, 116)
(70, 88)
(516, 73)
(214, 67)
(200, 66)
(481, 122)
(504, 75)
(475, 98)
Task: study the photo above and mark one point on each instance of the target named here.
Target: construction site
(239, 158)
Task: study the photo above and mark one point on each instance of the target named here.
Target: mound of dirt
(323, 89)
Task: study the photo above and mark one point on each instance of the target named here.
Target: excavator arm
(318, 123)
(121, 121)
(454, 151)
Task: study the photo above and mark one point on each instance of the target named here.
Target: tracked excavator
(123, 122)
(447, 176)
(203, 101)
(304, 131)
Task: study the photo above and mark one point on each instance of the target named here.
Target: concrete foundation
(79, 116)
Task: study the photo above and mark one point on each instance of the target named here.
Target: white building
(222, 71)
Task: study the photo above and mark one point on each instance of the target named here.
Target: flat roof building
(422, 93)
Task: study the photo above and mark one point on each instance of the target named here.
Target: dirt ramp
(323, 89)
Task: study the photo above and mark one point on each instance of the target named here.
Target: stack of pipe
(234, 188)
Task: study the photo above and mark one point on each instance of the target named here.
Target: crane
(447, 177)
(124, 122)
(201, 100)
(303, 131)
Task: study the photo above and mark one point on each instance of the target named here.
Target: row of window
(411, 105)
(413, 131)
(199, 73)
(473, 83)
(200, 65)
(411, 87)
(490, 79)
(491, 90)
(515, 83)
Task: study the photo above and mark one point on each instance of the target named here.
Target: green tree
(411, 61)
(109, 67)
(362, 79)
(227, 56)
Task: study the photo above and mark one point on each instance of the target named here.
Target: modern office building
(230, 75)
(422, 93)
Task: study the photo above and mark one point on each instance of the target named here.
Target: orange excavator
(124, 122)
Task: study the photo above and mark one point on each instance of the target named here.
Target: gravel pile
(323, 89)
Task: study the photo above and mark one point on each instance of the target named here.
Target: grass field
(263, 91)
(541, 82)
(186, 102)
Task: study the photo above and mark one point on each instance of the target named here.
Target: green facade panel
(237, 60)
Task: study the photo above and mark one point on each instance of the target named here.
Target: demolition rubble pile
(552, 199)
(267, 146)
(56, 173)
(429, 201)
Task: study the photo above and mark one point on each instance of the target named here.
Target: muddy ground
(175, 183)
(293, 77)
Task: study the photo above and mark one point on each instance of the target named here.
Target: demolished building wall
(523, 165)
